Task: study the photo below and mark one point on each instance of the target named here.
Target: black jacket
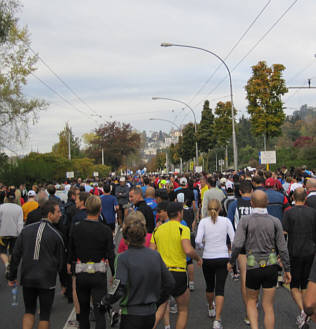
(148, 214)
(34, 216)
(41, 248)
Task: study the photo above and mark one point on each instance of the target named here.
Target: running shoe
(217, 324)
(302, 321)
(246, 321)
(191, 285)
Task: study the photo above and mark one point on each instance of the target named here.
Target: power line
(255, 45)
(61, 96)
(231, 51)
(64, 83)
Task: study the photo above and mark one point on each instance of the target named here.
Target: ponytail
(214, 207)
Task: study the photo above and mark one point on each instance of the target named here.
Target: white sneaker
(191, 285)
(217, 325)
(212, 313)
(301, 321)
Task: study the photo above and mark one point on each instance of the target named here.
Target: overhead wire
(231, 51)
(255, 45)
(62, 97)
(65, 84)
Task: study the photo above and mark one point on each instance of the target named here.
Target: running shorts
(265, 277)
(7, 244)
(181, 283)
(300, 269)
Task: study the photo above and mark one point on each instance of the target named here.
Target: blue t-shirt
(108, 211)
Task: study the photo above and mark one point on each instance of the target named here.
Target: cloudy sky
(109, 53)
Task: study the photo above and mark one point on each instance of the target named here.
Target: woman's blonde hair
(134, 229)
(214, 207)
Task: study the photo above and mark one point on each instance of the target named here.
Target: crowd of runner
(259, 226)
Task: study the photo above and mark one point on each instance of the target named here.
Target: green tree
(264, 91)
(205, 131)
(61, 148)
(223, 123)
(188, 142)
(16, 64)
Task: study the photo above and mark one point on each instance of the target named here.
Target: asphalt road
(232, 317)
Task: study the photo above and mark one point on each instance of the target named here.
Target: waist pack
(255, 261)
(90, 267)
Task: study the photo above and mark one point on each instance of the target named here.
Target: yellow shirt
(28, 207)
(203, 190)
(167, 237)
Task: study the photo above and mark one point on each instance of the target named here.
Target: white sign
(221, 162)
(198, 169)
(70, 174)
(266, 157)
(177, 170)
(95, 174)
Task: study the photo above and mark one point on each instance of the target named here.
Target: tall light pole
(171, 122)
(195, 126)
(166, 44)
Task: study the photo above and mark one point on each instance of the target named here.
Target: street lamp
(166, 44)
(155, 119)
(195, 126)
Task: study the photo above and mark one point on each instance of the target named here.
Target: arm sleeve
(239, 240)
(16, 257)
(121, 271)
(230, 230)
(281, 246)
(186, 235)
(285, 221)
(231, 211)
(204, 205)
(110, 251)
(71, 250)
(20, 222)
(200, 235)
(61, 255)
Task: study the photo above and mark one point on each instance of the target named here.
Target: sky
(109, 54)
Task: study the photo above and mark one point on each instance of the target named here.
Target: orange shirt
(28, 207)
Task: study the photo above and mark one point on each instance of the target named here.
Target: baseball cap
(183, 181)
(270, 182)
(122, 179)
(31, 193)
(223, 180)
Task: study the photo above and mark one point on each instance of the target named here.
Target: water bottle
(14, 292)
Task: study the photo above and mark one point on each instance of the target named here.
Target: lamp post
(166, 44)
(171, 122)
(195, 126)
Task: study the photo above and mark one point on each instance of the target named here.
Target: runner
(237, 209)
(41, 249)
(300, 225)
(311, 190)
(141, 278)
(121, 193)
(172, 240)
(109, 207)
(262, 235)
(211, 234)
(90, 246)
(11, 225)
(30, 205)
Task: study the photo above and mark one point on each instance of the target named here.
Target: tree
(61, 148)
(223, 123)
(16, 64)
(205, 132)
(264, 91)
(188, 142)
(118, 141)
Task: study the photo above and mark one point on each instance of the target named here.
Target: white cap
(122, 179)
(223, 180)
(31, 193)
(183, 181)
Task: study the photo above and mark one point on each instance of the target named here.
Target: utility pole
(69, 150)
(102, 156)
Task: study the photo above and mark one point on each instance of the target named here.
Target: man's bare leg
(28, 321)
(252, 297)
(268, 307)
(183, 304)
